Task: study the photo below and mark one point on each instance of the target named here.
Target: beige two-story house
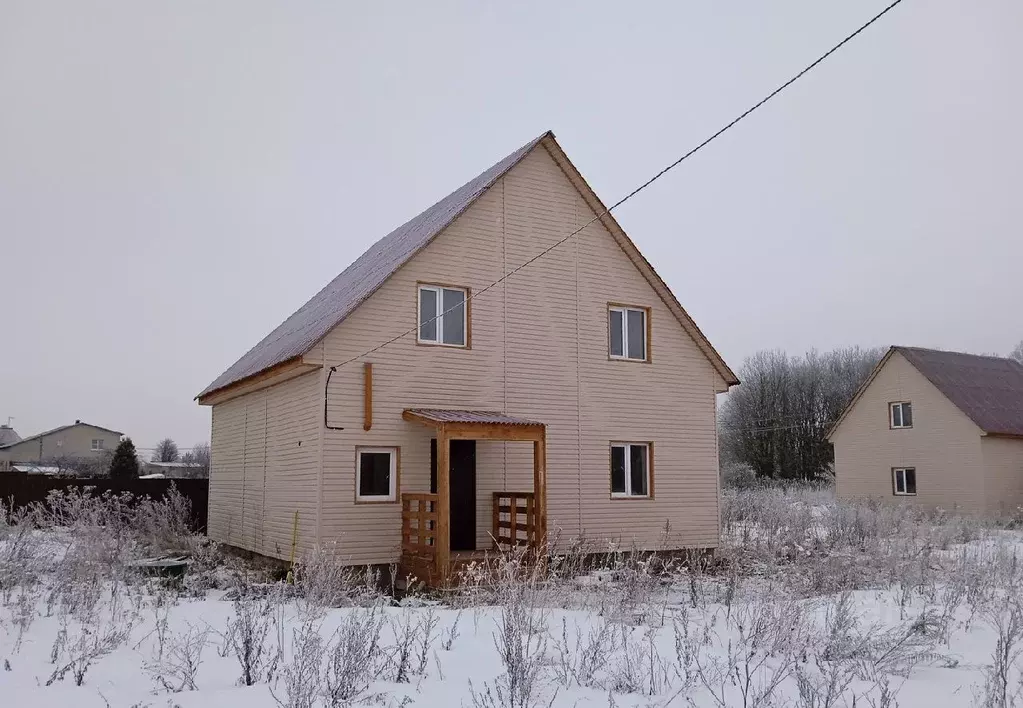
(940, 429)
(479, 377)
(78, 441)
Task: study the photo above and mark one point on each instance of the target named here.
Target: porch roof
(443, 415)
(480, 425)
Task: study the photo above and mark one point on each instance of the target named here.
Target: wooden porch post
(443, 536)
(540, 487)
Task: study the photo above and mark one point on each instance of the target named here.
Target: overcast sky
(178, 177)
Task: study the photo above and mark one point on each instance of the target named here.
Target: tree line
(776, 422)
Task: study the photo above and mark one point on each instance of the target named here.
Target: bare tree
(1017, 353)
(777, 421)
(199, 455)
(166, 451)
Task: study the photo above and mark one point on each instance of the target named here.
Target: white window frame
(625, 310)
(438, 290)
(895, 481)
(627, 494)
(902, 415)
(97, 444)
(392, 492)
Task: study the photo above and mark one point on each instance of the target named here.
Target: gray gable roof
(59, 429)
(988, 389)
(329, 307)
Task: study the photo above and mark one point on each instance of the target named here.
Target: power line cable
(608, 210)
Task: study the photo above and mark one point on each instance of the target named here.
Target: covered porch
(519, 518)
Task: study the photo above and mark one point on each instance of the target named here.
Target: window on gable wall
(900, 414)
(627, 332)
(97, 444)
(630, 470)
(904, 481)
(442, 315)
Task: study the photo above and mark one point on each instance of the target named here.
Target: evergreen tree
(125, 464)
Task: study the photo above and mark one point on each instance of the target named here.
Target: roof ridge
(997, 357)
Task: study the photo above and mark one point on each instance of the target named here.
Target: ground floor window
(904, 481)
(631, 470)
(376, 474)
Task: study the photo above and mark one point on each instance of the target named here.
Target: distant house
(172, 470)
(575, 398)
(940, 429)
(81, 441)
(8, 436)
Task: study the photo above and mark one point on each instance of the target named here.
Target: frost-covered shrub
(323, 578)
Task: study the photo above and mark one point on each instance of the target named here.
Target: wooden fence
(20, 489)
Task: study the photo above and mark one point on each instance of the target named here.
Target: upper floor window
(900, 414)
(443, 316)
(630, 470)
(628, 329)
(97, 444)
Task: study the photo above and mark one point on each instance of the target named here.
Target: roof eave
(660, 286)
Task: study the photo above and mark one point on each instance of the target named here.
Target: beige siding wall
(265, 467)
(1003, 464)
(75, 441)
(539, 350)
(943, 444)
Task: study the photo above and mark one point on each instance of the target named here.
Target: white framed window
(631, 474)
(376, 474)
(904, 481)
(627, 332)
(900, 414)
(97, 443)
(443, 315)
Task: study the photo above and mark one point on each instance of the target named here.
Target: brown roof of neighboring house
(329, 307)
(988, 389)
(58, 429)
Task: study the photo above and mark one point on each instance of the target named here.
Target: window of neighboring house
(442, 315)
(376, 474)
(97, 444)
(627, 332)
(630, 470)
(900, 414)
(904, 481)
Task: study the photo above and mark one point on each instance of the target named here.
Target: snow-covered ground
(811, 605)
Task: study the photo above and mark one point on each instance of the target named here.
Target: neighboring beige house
(79, 441)
(935, 428)
(415, 410)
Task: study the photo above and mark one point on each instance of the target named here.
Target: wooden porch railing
(515, 522)
(419, 520)
(419, 523)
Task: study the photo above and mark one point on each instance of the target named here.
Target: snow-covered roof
(38, 469)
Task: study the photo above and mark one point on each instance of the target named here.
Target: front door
(462, 456)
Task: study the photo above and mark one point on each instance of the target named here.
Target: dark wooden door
(462, 456)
